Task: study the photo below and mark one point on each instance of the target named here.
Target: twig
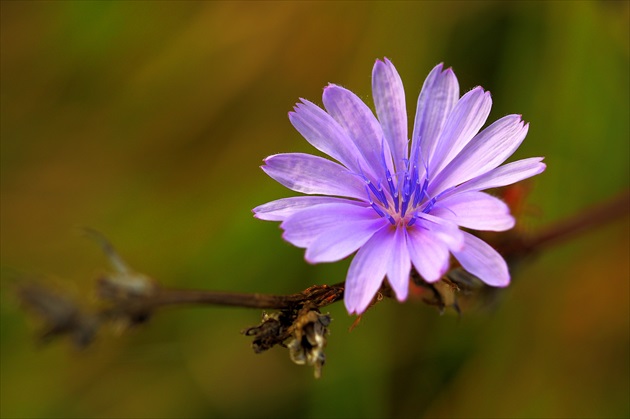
(564, 230)
(319, 296)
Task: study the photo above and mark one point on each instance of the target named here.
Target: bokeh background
(149, 120)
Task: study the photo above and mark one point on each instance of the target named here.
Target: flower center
(403, 196)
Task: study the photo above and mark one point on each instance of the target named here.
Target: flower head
(399, 202)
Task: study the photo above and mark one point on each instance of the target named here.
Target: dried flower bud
(309, 340)
(268, 333)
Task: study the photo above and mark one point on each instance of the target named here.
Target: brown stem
(167, 297)
(316, 296)
(564, 230)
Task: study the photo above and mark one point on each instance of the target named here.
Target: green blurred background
(148, 121)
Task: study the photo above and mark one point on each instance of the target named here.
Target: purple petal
(389, 100)
(313, 175)
(481, 260)
(476, 210)
(484, 152)
(444, 230)
(360, 124)
(367, 271)
(325, 134)
(429, 254)
(439, 95)
(304, 227)
(468, 116)
(399, 265)
(503, 175)
(342, 239)
(280, 209)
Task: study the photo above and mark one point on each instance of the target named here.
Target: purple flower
(398, 204)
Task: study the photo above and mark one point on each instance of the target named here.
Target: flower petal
(503, 175)
(467, 117)
(367, 271)
(389, 100)
(313, 175)
(481, 260)
(342, 239)
(280, 209)
(360, 124)
(325, 134)
(476, 210)
(428, 253)
(304, 227)
(484, 152)
(439, 95)
(399, 265)
(444, 230)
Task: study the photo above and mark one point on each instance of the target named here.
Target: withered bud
(445, 292)
(308, 340)
(269, 333)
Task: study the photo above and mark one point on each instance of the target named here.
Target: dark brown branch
(317, 296)
(167, 297)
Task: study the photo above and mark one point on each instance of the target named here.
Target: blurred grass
(148, 121)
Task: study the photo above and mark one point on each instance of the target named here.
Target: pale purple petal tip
(313, 175)
(481, 260)
(476, 210)
(389, 100)
(283, 208)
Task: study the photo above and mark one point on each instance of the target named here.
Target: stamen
(435, 204)
(415, 218)
(420, 192)
(429, 205)
(395, 199)
(382, 195)
(407, 190)
(378, 210)
(378, 192)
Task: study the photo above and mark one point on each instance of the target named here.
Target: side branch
(564, 230)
